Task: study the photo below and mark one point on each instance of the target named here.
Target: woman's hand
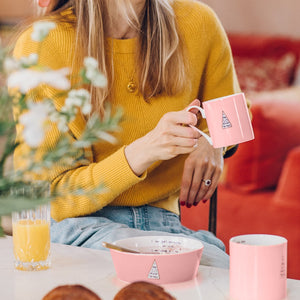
(168, 139)
(205, 163)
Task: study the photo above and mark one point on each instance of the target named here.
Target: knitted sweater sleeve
(113, 172)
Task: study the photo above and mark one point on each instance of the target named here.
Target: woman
(158, 55)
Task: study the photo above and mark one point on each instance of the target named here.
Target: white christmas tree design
(225, 121)
(154, 274)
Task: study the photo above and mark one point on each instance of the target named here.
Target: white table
(94, 269)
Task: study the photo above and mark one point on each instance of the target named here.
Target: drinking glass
(31, 237)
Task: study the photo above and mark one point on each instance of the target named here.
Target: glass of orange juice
(31, 238)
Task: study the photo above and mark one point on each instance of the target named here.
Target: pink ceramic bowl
(174, 259)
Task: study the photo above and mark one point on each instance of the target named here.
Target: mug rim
(223, 97)
(274, 240)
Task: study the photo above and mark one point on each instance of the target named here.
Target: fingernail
(195, 203)
(204, 200)
(188, 205)
(182, 203)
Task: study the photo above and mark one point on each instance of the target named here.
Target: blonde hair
(160, 61)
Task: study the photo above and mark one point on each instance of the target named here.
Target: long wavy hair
(160, 64)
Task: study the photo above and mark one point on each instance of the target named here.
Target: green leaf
(84, 79)
(1, 230)
(6, 127)
(9, 204)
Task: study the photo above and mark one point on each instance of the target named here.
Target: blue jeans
(113, 223)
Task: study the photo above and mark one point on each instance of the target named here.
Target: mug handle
(202, 111)
(207, 137)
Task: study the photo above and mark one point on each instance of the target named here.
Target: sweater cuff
(117, 170)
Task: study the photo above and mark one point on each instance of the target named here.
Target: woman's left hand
(201, 174)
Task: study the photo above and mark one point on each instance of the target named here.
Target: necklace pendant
(131, 87)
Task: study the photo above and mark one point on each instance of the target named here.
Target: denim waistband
(144, 217)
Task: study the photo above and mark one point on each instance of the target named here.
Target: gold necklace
(131, 86)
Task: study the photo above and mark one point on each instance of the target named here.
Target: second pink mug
(227, 119)
(258, 267)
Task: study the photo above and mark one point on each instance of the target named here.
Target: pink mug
(227, 119)
(258, 267)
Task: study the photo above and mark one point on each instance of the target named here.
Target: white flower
(86, 108)
(68, 113)
(41, 30)
(10, 65)
(92, 72)
(99, 80)
(61, 120)
(29, 61)
(78, 98)
(27, 79)
(62, 124)
(82, 94)
(90, 62)
(34, 123)
(96, 78)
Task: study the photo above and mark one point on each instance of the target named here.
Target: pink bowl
(175, 259)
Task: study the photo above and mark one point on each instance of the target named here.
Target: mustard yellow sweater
(211, 75)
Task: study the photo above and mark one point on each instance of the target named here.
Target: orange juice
(31, 240)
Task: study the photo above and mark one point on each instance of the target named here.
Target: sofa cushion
(288, 190)
(254, 45)
(265, 73)
(258, 163)
(290, 94)
(262, 49)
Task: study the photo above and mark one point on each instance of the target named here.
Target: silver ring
(207, 182)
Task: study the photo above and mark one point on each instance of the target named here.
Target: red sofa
(260, 188)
